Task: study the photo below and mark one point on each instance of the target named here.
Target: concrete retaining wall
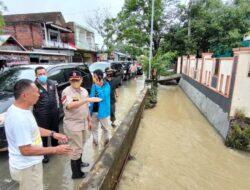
(213, 106)
(105, 173)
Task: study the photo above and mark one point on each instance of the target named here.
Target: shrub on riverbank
(151, 100)
(239, 134)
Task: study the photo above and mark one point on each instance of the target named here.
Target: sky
(72, 10)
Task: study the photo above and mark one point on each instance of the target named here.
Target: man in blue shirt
(100, 111)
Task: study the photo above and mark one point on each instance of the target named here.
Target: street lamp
(151, 39)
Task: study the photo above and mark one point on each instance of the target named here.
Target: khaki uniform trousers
(77, 140)
(28, 178)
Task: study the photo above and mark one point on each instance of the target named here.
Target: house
(43, 34)
(84, 40)
(12, 52)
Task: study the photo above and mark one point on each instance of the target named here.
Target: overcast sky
(72, 10)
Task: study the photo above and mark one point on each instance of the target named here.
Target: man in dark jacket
(46, 110)
(113, 93)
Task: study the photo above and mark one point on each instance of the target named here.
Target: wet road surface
(57, 173)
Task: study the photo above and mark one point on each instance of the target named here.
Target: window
(57, 75)
(9, 77)
(54, 36)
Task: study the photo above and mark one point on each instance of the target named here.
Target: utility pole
(189, 17)
(151, 39)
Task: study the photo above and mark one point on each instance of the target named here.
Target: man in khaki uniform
(75, 100)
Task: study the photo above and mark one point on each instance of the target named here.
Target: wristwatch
(52, 134)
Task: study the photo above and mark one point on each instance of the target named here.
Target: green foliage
(2, 7)
(131, 27)
(240, 115)
(161, 62)
(151, 100)
(238, 137)
(216, 26)
(239, 134)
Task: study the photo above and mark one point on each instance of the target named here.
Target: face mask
(76, 85)
(43, 79)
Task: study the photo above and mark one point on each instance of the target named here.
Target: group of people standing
(35, 116)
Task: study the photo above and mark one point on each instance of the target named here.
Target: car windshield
(9, 77)
(101, 66)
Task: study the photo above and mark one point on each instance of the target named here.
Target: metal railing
(55, 44)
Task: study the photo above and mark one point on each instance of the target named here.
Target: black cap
(108, 69)
(75, 75)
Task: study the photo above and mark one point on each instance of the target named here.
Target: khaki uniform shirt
(75, 119)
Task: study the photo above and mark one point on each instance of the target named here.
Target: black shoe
(84, 164)
(76, 169)
(45, 159)
(106, 142)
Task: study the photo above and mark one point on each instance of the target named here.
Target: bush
(239, 115)
(151, 100)
(161, 61)
(238, 138)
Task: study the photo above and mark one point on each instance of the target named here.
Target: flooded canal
(57, 173)
(177, 149)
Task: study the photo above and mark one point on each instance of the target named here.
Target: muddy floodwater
(177, 149)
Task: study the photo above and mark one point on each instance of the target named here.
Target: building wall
(29, 35)
(241, 93)
(84, 39)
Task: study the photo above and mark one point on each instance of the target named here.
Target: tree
(215, 26)
(97, 21)
(132, 25)
(2, 7)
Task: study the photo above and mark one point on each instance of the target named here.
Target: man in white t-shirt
(24, 138)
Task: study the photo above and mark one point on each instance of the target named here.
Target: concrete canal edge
(106, 171)
(213, 106)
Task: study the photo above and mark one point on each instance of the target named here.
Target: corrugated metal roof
(5, 38)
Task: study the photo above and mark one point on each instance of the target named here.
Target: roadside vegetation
(151, 100)
(239, 134)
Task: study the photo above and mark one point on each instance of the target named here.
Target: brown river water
(177, 149)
